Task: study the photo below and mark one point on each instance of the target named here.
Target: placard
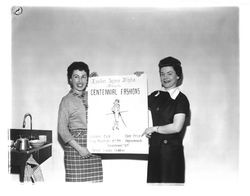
(117, 114)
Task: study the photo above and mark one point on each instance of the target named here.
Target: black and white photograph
(68, 65)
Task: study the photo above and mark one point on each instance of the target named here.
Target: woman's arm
(63, 131)
(174, 127)
(62, 123)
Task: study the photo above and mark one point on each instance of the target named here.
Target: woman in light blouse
(80, 164)
(171, 115)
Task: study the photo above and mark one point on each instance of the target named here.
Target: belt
(78, 132)
(161, 139)
(173, 142)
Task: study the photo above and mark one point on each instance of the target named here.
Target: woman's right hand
(139, 73)
(84, 152)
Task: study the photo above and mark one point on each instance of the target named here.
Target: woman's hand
(84, 152)
(139, 73)
(93, 74)
(149, 131)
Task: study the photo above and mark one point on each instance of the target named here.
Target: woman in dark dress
(171, 115)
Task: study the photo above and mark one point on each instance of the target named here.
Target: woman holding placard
(80, 164)
(171, 115)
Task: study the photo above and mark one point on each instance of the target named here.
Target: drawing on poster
(117, 115)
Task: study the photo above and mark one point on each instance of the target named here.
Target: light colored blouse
(71, 115)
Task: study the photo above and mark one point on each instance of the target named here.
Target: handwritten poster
(117, 114)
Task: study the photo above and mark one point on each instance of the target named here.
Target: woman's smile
(80, 85)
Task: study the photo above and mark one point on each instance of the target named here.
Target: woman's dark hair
(176, 64)
(77, 66)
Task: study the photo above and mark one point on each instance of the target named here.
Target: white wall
(120, 41)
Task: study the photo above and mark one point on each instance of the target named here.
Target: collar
(76, 94)
(174, 92)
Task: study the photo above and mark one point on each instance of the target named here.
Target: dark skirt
(166, 163)
(79, 169)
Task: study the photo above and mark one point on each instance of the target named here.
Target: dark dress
(166, 163)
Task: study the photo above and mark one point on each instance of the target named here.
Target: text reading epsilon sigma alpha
(123, 91)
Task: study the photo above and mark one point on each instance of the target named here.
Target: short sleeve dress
(166, 163)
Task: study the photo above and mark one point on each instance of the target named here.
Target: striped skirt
(77, 168)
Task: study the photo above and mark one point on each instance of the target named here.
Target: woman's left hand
(148, 132)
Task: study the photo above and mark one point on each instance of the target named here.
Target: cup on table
(43, 138)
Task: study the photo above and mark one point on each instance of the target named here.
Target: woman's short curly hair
(77, 65)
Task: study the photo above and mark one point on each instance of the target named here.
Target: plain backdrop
(120, 41)
(114, 41)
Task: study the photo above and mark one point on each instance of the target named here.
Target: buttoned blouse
(71, 115)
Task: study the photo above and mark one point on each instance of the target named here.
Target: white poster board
(117, 114)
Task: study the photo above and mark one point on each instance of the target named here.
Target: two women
(170, 114)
